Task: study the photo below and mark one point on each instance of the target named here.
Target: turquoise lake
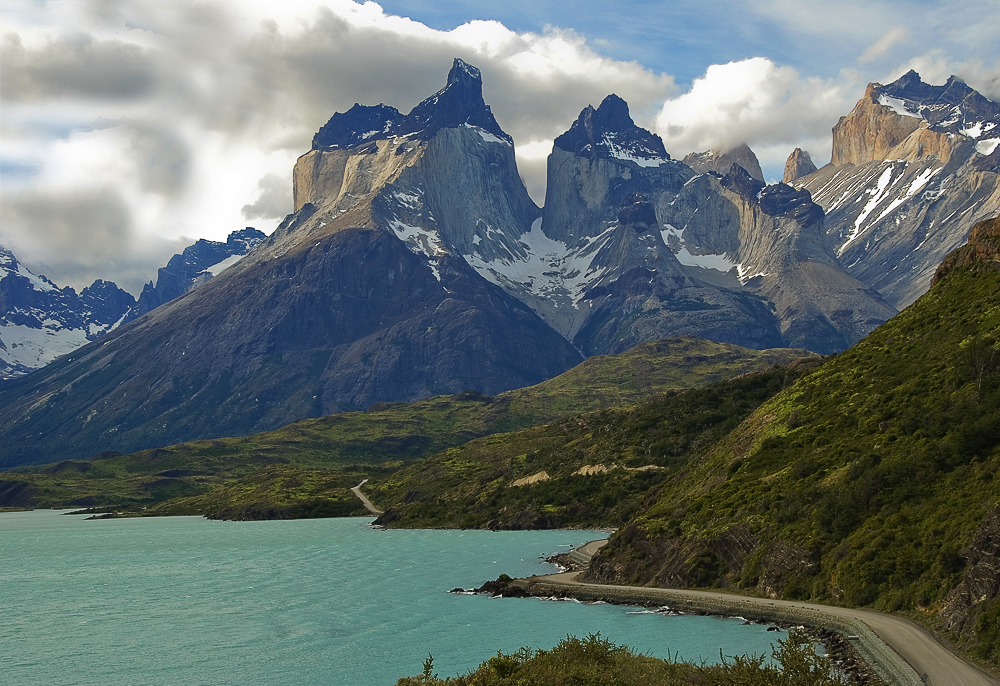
(184, 600)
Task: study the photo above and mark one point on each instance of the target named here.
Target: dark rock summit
(609, 132)
(951, 108)
(357, 125)
(459, 103)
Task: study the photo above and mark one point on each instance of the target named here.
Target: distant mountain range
(40, 321)
(416, 264)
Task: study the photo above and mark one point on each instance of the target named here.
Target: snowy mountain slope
(40, 321)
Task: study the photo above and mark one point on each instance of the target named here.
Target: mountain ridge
(913, 169)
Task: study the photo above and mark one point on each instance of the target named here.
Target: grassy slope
(640, 446)
(362, 443)
(861, 484)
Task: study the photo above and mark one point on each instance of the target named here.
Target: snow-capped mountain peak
(951, 108)
(40, 321)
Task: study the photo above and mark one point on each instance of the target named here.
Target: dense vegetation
(356, 445)
(595, 661)
(862, 484)
(591, 470)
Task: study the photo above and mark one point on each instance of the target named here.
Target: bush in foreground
(595, 661)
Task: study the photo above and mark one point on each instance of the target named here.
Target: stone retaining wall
(886, 662)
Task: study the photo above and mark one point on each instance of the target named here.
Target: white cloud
(882, 45)
(756, 102)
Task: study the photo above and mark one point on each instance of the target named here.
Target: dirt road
(929, 659)
(367, 503)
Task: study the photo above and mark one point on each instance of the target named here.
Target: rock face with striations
(769, 240)
(361, 296)
(914, 167)
(721, 162)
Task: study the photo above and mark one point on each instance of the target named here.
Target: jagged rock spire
(798, 164)
(459, 103)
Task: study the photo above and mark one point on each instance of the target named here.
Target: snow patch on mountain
(673, 238)
(29, 347)
(418, 239)
(720, 262)
(487, 136)
(225, 264)
(552, 269)
(744, 274)
(878, 194)
(896, 105)
(986, 147)
(632, 150)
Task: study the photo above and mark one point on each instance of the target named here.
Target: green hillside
(590, 470)
(362, 444)
(865, 483)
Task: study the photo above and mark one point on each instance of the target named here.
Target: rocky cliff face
(982, 251)
(798, 164)
(721, 162)
(362, 295)
(194, 266)
(870, 131)
(913, 169)
(769, 240)
(976, 594)
(597, 268)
